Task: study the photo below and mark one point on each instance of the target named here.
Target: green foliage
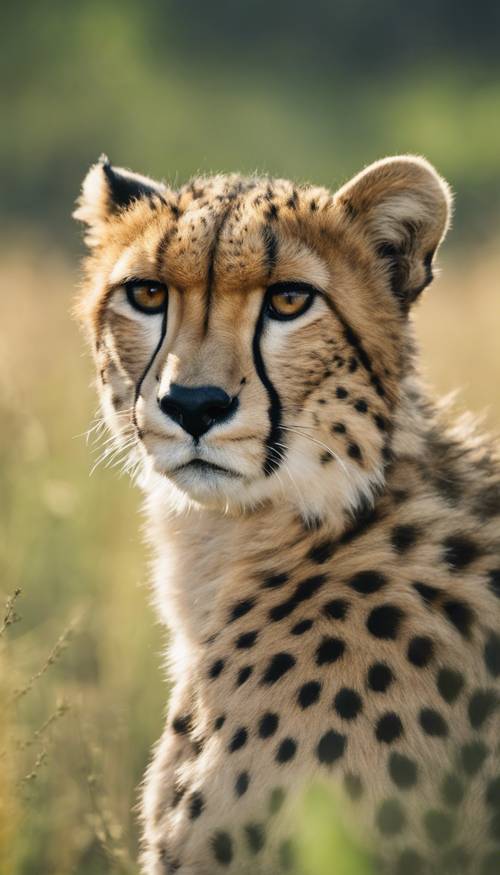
(323, 843)
(309, 91)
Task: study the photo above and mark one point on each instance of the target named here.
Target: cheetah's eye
(147, 296)
(289, 300)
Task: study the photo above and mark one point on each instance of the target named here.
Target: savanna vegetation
(312, 92)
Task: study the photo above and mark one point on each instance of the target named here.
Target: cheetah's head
(251, 335)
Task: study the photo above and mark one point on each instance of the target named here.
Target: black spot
(246, 640)
(222, 846)
(182, 724)
(492, 654)
(403, 537)
(330, 747)
(494, 581)
(216, 668)
(323, 551)
(490, 864)
(278, 666)
(240, 609)
(402, 770)
(341, 392)
(301, 627)
(275, 580)
(368, 582)
(459, 551)
(353, 786)
(347, 703)
(353, 364)
(460, 615)
(473, 755)
(219, 722)
(276, 799)
(329, 651)
(364, 517)
(438, 826)
(427, 593)
(390, 817)
(268, 724)
(383, 622)
(243, 675)
(309, 694)
(389, 728)
(420, 651)
(303, 591)
(380, 422)
(377, 385)
(482, 704)
(178, 794)
(450, 684)
(380, 677)
(255, 836)
(361, 406)
(336, 609)
(387, 454)
(493, 793)
(353, 450)
(487, 503)
(195, 805)
(286, 750)
(452, 790)
(197, 745)
(241, 784)
(238, 740)
(433, 723)
(409, 863)
(338, 428)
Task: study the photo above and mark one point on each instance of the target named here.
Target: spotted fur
(334, 604)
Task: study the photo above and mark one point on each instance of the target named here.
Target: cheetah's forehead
(227, 232)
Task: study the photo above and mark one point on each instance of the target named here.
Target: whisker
(328, 449)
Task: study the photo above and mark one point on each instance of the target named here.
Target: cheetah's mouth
(203, 467)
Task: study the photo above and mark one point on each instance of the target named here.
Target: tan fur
(373, 538)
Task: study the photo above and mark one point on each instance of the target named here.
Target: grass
(81, 668)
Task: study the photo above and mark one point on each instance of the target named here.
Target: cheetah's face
(250, 335)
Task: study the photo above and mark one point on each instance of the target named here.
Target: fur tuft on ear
(106, 190)
(403, 207)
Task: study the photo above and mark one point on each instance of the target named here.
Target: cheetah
(326, 540)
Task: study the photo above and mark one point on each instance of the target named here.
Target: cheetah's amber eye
(289, 300)
(147, 296)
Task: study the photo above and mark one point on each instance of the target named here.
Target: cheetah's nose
(197, 408)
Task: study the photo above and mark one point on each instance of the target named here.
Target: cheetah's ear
(404, 207)
(106, 190)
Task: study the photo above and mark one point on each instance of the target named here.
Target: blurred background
(309, 90)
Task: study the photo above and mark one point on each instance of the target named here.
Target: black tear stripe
(274, 451)
(149, 366)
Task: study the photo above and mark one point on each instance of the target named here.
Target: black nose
(198, 408)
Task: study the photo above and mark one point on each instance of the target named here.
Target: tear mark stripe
(148, 367)
(274, 451)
